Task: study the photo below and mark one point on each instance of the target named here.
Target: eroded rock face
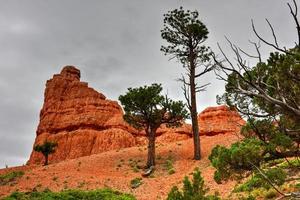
(81, 120)
(167, 134)
(219, 120)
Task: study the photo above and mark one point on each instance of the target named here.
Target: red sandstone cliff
(83, 122)
(219, 120)
(80, 119)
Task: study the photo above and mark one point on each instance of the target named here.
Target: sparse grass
(10, 177)
(168, 165)
(134, 164)
(104, 194)
(171, 171)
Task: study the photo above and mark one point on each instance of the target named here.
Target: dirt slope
(113, 169)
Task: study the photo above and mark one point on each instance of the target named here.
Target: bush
(270, 194)
(10, 177)
(191, 190)
(171, 171)
(135, 183)
(276, 176)
(104, 194)
(169, 166)
(293, 163)
(237, 159)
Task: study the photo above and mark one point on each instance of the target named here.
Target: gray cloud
(114, 43)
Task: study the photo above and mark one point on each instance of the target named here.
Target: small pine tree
(194, 190)
(46, 149)
(146, 109)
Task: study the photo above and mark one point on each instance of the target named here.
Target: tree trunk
(151, 149)
(193, 109)
(46, 160)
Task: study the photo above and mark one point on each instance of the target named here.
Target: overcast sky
(115, 44)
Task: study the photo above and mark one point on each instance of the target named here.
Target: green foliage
(293, 163)
(276, 175)
(267, 131)
(278, 79)
(269, 95)
(10, 177)
(169, 165)
(146, 107)
(136, 182)
(271, 194)
(171, 171)
(237, 159)
(185, 33)
(46, 149)
(104, 194)
(191, 190)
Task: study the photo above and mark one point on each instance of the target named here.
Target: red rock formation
(83, 122)
(165, 134)
(219, 120)
(80, 119)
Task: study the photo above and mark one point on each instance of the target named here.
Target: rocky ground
(115, 169)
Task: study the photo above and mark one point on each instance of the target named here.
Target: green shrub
(275, 175)
(135, 183)
(237, 159)
(191, 190)
(104, 194)
(171, 171)
(169, 165)
(270, 194)
(295, 163)
(10, 177)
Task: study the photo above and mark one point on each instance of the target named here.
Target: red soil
(112, 169)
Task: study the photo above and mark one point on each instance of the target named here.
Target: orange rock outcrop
(81, 120)
(219, 120)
